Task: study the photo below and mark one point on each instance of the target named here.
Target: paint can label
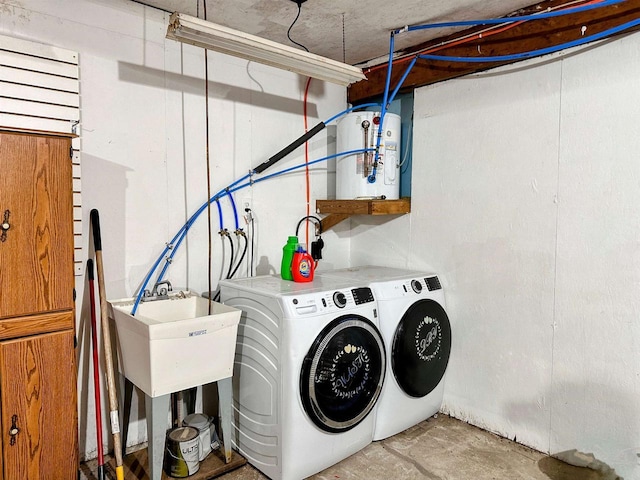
(182, 452)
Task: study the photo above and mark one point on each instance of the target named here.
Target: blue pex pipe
(505, 20)
(535, 53)
(176, 241)
(179, 237)
(383, 110)
(172, 245)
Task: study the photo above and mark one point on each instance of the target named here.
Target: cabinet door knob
(5, 226)
(14, 430)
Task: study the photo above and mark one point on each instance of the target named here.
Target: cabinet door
(38, 395)
(36, 198)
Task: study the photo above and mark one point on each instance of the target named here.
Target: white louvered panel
(77, 199)
(12, 44)
(22, 122)
(37, 109)
(38, 64)
(37, 94)
(33, 74)
(36, 79)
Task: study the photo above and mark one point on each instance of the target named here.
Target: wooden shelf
(136, 466)
(339, 210)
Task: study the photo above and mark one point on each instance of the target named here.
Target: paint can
(208, 439)
(181, 455)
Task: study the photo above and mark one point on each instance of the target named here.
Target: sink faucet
(160, 291)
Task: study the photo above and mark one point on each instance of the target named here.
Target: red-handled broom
(96, 370)
(106, 340)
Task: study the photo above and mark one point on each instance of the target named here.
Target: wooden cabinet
(38, 393)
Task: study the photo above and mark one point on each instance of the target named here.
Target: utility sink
(175, 344)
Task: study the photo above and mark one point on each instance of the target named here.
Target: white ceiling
(367, 23)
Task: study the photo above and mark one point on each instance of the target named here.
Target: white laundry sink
(174, 344)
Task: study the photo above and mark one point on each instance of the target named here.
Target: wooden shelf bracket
(339, 210)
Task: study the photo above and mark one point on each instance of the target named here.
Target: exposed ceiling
(353, 32)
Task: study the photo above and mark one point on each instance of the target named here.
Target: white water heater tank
(357, 131)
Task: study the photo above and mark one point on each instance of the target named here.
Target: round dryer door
(342, 373)
(421, 347)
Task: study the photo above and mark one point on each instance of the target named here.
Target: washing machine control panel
(362, 295)
(327, 302)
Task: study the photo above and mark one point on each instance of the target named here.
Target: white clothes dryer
(417, 334)
(309, 367)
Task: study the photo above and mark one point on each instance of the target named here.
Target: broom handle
(106, 340)
(96, 370)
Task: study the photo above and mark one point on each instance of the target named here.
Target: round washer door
(342, 373)
(421, 347)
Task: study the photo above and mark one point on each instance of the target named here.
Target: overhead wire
(291, 26)
(208, 162)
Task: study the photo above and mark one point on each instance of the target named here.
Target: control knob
(339, 299)
(416, 285)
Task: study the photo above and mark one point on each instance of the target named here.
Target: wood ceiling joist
(527, 36)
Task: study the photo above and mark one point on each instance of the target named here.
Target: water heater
(359, 130)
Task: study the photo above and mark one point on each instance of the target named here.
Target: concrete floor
(440, 448)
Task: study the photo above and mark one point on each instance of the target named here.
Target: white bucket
(208, 439)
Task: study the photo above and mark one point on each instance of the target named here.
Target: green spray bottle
(287, 257)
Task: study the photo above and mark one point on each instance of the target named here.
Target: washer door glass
(342, 373)
(421, 347)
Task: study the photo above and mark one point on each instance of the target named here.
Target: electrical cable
(291, 26)
(405, 156)
(310, 217)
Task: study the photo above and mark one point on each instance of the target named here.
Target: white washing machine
(417, 335)
(309, 367)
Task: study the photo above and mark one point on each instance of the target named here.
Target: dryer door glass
(342, 373)
(421, 347)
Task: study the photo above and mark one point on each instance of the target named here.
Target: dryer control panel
(423, 286)
(330, 302)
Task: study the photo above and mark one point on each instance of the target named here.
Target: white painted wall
(526, 200)
(143, 151)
